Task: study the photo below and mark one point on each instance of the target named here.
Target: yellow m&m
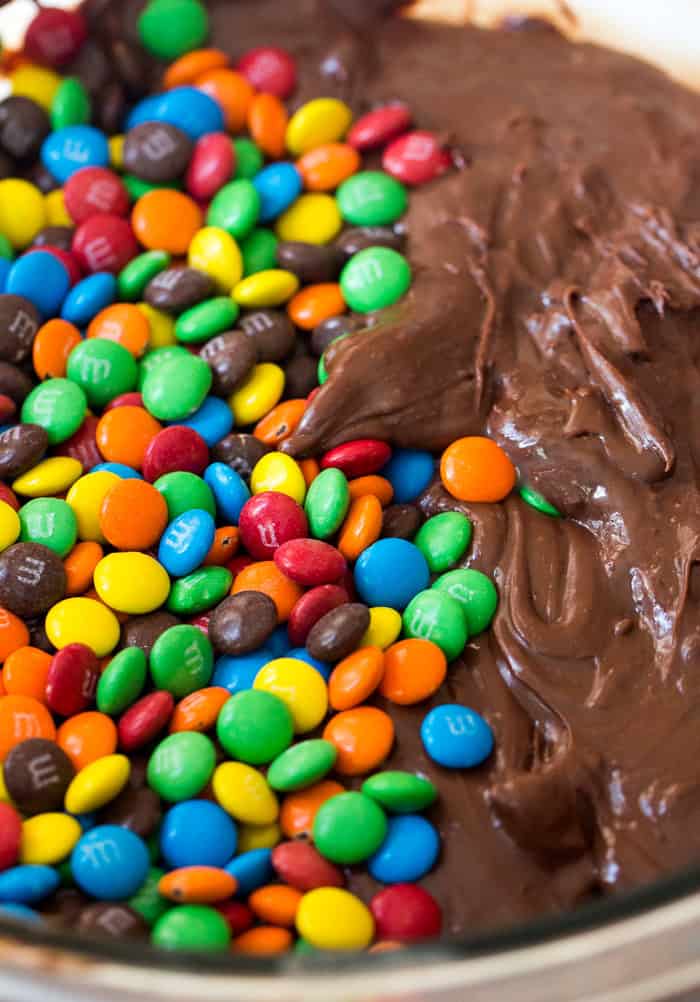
(244, 793)
(331, 918)
(97, 784)
(281, 473)
(266, 288)
(300, 687)
(216, 253)
(384, 627)
(48, 838)
(82, 621)
(50, 476)
(313, 219)
(258, 394)
(323, 120)
(131, 582)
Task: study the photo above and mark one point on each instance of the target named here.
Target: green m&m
(6, 249)
(181, 766)
(235, 208)
(153, 359)
(538, 501)
(136, 275)
(301, 765)
(255, 727)
(170, 28)
(371, 198)
(327, 502)
(148, 901)
(183, 491)
(176, 388)
(103, 369)
(375, 278)
(436, 616)
(137, 187)
(199, 591)
(206, 320)
(443, 539)
(181, 660)
(349, 828)
(475, 592)
(249, 157)
(122, 681)
(70, 105)
(259, 250)
(58, 405)
(51, 522)
(192, 927)
(400, 792)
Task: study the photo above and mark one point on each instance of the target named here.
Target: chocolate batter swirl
(555, 307)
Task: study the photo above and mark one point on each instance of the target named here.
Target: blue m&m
(278, 185)
(409, 471)
(25, 885)
(186, 542)
(456, 737)
(87, 298)
(229, 489)
(69, 150)
(197, 833)
(189, 109)
(251, 869)
(212, 421)
(390, 573)
(41, 278)
(110, 863)
(408, 852)
(237, 672)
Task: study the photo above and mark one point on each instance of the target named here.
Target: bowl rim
(591, 917)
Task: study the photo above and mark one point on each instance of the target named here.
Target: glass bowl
(643, 946)
(639, 946)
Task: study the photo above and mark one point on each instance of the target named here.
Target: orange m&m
(327, 166)
(316, 303)
(413, 670)
(124, 323)
(51, 347)
(21, 718)
(267, 124)
(166, 220)
(363, 738)
(124, 434)
(477, 469)
(122, 504)
(354, 679)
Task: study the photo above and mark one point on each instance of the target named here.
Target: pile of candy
(193, 624)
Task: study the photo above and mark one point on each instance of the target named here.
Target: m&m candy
(211, 614)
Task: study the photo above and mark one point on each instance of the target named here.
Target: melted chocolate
(555, 307)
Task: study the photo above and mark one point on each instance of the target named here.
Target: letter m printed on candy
(31, 568)
(100, 194)
(102, 853)
(99, 253)
(159, 145)
(26, 726)
(95, 369)
(180, 536)
(43, 771)
(41, 523)
(423, 623)
(23, 328)
(194, 659)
